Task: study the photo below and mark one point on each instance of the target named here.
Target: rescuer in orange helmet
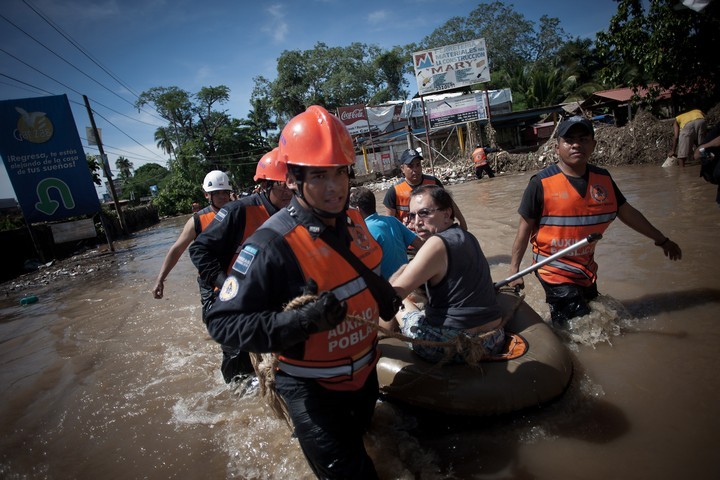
(326, 363)
(214, 252)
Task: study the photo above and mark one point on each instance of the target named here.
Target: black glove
(388, 301)
(311, 288)
(390, 307)
(322, 314)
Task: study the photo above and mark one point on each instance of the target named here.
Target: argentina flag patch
(245, 259)
(220, 214)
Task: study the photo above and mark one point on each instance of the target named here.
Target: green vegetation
(660, 44)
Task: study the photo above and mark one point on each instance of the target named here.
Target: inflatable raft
(534, 368)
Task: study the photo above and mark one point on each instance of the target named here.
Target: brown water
(100, 380)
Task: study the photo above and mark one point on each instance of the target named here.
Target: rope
(470, 348)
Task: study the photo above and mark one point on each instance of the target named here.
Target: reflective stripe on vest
(346, 344)
(343, 372)
(568, 218)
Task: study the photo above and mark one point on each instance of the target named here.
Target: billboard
(456, 110)
(355, 118)
(361, 119)
(451, 66)
(44, 158)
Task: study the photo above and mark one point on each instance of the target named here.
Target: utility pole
(106, 168)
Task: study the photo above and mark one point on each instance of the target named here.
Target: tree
(163, 139)
(674, 48)
(328, 76)
(538, 85)
(202, 137)
(390, 66)
(510, 38)
(94, 166)
(260, 115)
(548, 40)
(124, 166)
(177, 194)
(145, 176)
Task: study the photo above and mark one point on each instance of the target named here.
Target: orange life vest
(479, 157)
(341, 358)
(203, 219)
(568, 218)
(402, 195)
(255, 215)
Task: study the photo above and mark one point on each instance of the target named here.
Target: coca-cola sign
(352, 114)
(355, 118)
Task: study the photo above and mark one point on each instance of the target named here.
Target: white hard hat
(216, 180)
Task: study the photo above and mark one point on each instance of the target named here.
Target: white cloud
(377, 16)
(278, 27)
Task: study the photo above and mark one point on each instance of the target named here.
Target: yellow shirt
(687, 117)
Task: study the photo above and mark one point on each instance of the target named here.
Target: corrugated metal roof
(625, 94)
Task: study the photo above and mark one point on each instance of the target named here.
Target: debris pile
(643, 140)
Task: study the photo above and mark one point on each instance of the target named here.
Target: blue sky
(191, 44)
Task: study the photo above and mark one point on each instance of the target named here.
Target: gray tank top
(465, 298)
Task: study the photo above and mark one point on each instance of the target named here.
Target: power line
(77, 103)
(78, 46)
(131, 138)
(24, 83)
(76, 68)
(118, 151)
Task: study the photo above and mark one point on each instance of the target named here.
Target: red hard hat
(269, 168)
(315, 138)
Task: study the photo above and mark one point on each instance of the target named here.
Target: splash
(599, 326)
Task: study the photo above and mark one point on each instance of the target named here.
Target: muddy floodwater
(100, 380)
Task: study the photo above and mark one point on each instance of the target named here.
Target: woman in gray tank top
(456, 278)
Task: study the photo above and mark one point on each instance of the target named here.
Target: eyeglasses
(422, 213)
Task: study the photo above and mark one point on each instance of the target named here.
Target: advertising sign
(451, 66)
(361, 119)
(456, 110)
(355, 118)
(44, 158)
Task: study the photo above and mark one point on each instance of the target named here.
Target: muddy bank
(644, 140)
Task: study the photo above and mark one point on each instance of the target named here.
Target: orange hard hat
(315, 138)
(269, 168)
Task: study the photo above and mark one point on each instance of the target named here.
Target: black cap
(566, 125)
(408, 156)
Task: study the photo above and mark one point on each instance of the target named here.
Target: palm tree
(163, 137)
(124, 166)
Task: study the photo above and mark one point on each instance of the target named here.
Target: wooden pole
(105, 167)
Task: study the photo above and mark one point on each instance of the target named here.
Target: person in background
(456, 276)
(562, 205)
(688, 132)
(217, 191)
(196, 207)
(214, 251)
(326, 372)
(480, 161)
(393, 236)
(397, 198)
(709, 155)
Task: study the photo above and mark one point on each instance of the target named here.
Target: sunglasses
(422, 213)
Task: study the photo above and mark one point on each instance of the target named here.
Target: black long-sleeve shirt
(213, 250)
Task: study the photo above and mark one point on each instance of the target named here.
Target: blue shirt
(394, 238)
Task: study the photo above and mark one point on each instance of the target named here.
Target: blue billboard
(45, 160)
